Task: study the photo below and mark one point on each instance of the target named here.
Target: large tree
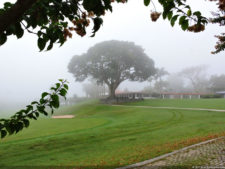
(112, 62)
(55, 20)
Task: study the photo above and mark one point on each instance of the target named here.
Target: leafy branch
(55, 20)
(174, 9)
(21, 119)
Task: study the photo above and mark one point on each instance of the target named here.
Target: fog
(25, 72)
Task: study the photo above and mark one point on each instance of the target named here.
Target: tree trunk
(112, 88)
(112, 93)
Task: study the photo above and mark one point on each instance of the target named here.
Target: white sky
(25, 72)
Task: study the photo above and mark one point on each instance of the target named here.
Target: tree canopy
(112, 62)
(53, 21)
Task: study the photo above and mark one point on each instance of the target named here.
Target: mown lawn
(108, 136)
(183, 103)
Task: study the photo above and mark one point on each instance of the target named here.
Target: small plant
(21, 119)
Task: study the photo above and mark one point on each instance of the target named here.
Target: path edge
(140, 164)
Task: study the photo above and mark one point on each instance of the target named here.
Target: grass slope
(183, 103)
(103, 135)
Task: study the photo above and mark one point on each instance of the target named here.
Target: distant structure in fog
(181, 95)
(167, 95)
(221, 93)
(133, 95)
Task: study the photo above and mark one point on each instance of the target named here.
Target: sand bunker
(63, 117)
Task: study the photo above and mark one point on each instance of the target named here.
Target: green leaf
(50, 46)
(43, 101)
(197, 13)
(188, 7)
(39, 33)
(41, 109)
(147, 2)
(22, 111)
(63, 92)
(10, 128)
(182, 18)
(3, 133)
(19, 31)
(36, 114)
(164, 14)
(170, 14)
(52, 110)
(29, 108)
(97, 24)
(3, 39)
(26, 123)
(44, 94)
(66, 86)
(184, 25)
(57, 85)
(41, 43)
(53, 88)
(173, 20)
(19, 126)
(7, 5)
(34, 102)
(45, 113)
(55, 101)
(31, 116)
(189, 12)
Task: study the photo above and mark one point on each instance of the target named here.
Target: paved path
(210, 155)
(207, 154)
(176, 108)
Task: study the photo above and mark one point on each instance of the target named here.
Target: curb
(140, 164)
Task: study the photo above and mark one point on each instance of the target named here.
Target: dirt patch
(63, 117)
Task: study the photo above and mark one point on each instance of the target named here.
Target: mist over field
(25, 72)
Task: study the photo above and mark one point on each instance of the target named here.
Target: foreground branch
(21, 119)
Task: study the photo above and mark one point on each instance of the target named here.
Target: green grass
(107, 135)
(183, 103)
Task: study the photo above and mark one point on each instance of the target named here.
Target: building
(166, 95)
(221, 93)
(181, 95)
(133, 95)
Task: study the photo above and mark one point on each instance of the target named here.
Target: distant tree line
(192, 79)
